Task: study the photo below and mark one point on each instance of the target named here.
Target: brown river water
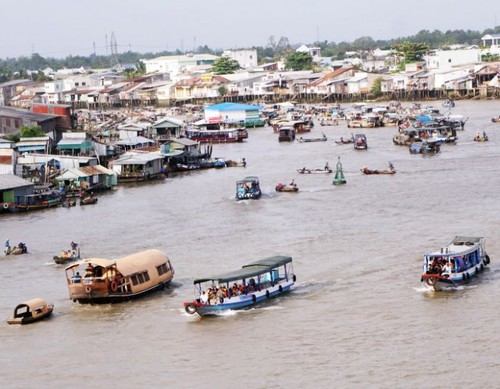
(358, 315)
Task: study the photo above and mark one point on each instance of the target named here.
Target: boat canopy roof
(32, 304)
(130, 264)
(460, 245)
(250, 270)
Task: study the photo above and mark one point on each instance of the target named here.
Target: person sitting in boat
(447, 268)
(204, 298)
(485, 137)
(327, 166)
(235, 291)
(22, 247)
(434, 267)
(77, 278)
(293, 184)
(89, 271)
(391, 166)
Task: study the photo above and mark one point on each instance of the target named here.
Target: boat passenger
(89, 271)
(77, 278)
(327, 167)
(204, 297)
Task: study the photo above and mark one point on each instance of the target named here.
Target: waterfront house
(181, 151)
(138, 166)
(207, 85)
(13, 119)
(7, 157)
(12, 188)
(167, 128)
(75, 143)
(176, 64)
(87, 178)
(233, 113)
(41, 144)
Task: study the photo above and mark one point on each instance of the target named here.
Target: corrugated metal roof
(23, 114)
(11, 181)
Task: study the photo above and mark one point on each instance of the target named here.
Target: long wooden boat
(306, 140)
(287, 187)
(31, 311)
(367, 171)
(254, 283)
(454, 264)
(114, 280)
(315, 171)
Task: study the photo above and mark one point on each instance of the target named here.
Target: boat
(68, 256)
(343, 141)
(425, 147)
(456, 263)
(325, 170)
(254, 283)
(116, 280)
(216, 132)
(42, 198)
(16, 250)
(248, 188)
(219, 163)
(239, 163)
(481, 138)
(448, 103)
(292, 187)
(322, 139)
(286, 134)
(88, 200)
(496, 120)
(360, 142)
(391, 170)
(31, 311)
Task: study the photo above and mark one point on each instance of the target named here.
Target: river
(358, 315)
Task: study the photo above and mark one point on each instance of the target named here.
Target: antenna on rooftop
(194, 44)
(114, 52)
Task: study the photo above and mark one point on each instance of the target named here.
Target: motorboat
(31, 311)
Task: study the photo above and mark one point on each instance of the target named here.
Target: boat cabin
(31, 311)
(286, 134)
(99, 280)
(248, 188)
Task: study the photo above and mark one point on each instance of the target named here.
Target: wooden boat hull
(495, 120)
(286, 188)
(239, 302)
(368, 171)
(64, 260)
(88, 201)
(314, 171)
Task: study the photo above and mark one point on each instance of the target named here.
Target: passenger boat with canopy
(254, 283)
(31, 311)
(454, 264)
(114, 280)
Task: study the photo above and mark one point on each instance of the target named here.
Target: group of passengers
(215, 295)
(439, 265)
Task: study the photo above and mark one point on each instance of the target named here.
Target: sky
(59, 28)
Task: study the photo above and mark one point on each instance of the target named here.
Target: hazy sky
(58, 28)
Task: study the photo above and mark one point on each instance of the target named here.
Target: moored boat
(115, 280)
(254, 283)
(31, 311)
(88, 200)
(248, 188)
(454, 264)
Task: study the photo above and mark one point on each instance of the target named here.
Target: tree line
(17, 68)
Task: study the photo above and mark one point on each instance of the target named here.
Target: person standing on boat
(327, 166)
(7, 247)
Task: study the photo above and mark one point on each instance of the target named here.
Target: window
(163, 268)
(139, 278)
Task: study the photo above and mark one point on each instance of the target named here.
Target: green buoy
(339, 175)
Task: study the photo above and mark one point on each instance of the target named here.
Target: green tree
(222, 90)
(299, 61)
(225, 65)
(377, 87)
(410, 51)
(32, 132)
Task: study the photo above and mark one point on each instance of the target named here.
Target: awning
(31, 148)
(74, 145)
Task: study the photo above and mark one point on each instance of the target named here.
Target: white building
(246, 58)
(492, 42)
(444, 60)
(314, 52)
(176, 64)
